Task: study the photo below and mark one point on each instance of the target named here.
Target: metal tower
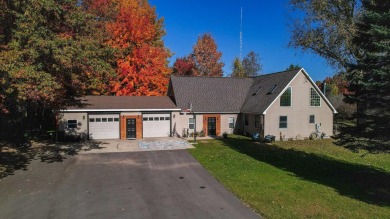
(241, 37)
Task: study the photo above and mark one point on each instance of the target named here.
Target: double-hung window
(282, 122)
(191, 123)
(231, 122)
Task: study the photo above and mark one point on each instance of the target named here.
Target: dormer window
(285, 99)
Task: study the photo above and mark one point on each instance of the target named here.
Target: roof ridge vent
(272, 89)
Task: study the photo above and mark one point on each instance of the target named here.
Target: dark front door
(130, 129)
(211, 126)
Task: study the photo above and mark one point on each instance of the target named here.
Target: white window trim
(231, 122)
(189, 123)
(310, 97)
(286, 122)
(291, 94)
(67, 124)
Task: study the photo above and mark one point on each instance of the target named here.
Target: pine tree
(370, 76)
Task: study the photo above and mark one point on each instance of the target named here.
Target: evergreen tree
(370, 76)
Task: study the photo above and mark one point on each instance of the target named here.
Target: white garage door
(156, 125)
(104, 126)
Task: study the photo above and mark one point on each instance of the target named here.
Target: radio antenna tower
(241, 37)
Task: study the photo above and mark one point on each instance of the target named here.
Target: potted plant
(225, 135)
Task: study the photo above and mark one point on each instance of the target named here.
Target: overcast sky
(265, 31)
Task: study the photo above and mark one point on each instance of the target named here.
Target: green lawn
(300, 179)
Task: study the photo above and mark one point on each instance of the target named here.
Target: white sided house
(284, 104)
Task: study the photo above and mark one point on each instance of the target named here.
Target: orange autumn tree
(142, 59)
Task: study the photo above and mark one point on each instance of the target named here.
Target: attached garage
(119, 117)
(103, 126)
(156, 125)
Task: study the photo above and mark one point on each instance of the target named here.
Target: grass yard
(300, 179)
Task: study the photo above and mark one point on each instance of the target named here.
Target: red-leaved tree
(136, 33)
(184, 66)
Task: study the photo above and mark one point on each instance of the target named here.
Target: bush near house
(300, 179)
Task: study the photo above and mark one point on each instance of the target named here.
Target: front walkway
(147, 144)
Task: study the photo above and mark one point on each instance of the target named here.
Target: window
(150, 118)
(72, 124)
(312, 119)
(167, 118)
(257, 91)
(156, 118)
(257, 121)
(315, 99)
(110, 119)
(161, 118)
(282, 122)
(231, 122)
(98, 119)
(145, 119)
(272, 89)
(285, 99)
(246, 119)
(116, 119)
(191, 124)
(92, 120)
(104, 120)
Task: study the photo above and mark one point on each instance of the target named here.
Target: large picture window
(282, 122)
(285, 99)
(231, 122)
(191, 123)
(315, 99)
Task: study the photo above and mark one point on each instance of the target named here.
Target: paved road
(158, 184)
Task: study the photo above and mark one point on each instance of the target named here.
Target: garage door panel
(104, 126)
(156, 125)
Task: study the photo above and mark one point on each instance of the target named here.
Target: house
(284, 104)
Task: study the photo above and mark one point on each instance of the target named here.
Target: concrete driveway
(154, 184)
(147, 144)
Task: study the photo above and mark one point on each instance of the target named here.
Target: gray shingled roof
(216, 94)
(210, 94)
(126, 103)
(262, 100)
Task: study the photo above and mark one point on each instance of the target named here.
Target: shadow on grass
(353, 139)
(356, 181)
(18, 157)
